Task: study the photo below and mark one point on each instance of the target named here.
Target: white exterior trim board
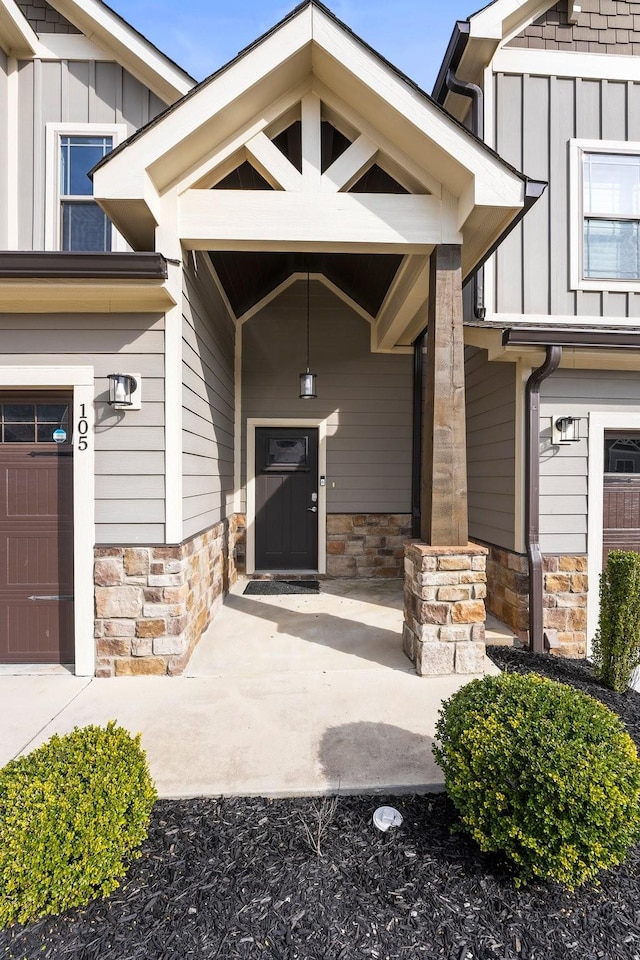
(80, 380)
(598, 423)
(555, 63)
(303, 422)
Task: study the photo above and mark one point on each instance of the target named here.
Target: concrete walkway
(284, 695)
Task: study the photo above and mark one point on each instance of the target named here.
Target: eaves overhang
(17, 38)
(53, 282)
(582, 337)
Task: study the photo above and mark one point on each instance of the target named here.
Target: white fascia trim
(598, 423)
(53, 132)
(12, 148)
(133, 51)
(555, 63)
(496, 19)
(577, 149)
(303, 422)
(80, 379)
(17, 38)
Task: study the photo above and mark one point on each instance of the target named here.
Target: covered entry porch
(316, 208)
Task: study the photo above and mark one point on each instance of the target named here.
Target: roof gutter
(36, 265)
(571, 337)
(532, 495)
(453, 56)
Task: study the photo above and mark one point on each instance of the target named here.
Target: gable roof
(98, 22)
(309, 47)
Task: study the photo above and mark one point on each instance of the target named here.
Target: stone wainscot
(153, 603)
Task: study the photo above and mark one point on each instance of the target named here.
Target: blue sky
(202, 35)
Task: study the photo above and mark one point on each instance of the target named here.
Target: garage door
(621, 527)
(36, 530)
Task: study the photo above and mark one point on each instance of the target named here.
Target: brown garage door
(621, 526)
(36, 530)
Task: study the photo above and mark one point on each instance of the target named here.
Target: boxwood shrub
(541, 773)
(72, 814)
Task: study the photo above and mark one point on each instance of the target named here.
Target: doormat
(274, 588)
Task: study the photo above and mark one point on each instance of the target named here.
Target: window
(83, 225)
(34, 422)
(611, 209)
(74, 221)
(605, 215)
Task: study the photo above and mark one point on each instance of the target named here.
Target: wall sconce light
(308, 380)
(124, 391)
(566, 430)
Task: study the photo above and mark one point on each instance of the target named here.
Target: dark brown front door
(621, 514)
(286, 498)
(36, 530)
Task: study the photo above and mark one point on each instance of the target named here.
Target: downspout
(416, 460)
(532, 495)
(476, 95)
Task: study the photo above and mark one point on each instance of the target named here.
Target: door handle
(312, 509)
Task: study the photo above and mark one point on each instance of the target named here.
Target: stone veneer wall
(565, 597)
(236, 560)
(154, 603)
(444, 610)
(362, 545)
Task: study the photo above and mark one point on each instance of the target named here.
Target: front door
(286, 522)
(36, 530)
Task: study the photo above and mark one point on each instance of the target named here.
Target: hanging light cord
(308, 318)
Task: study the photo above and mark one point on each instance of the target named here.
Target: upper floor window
(605, 215)
(74, 221)
(83, 225)
(611, 209)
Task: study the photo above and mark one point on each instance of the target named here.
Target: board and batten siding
(536, 117)
(129, 445)
(491, 439)
(83, 91)
(564, 469)
(365, 397)
(208, 401)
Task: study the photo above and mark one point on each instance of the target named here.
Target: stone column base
(444, 612)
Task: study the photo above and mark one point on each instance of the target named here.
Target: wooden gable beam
(349, 166)
(272, 163)
(283, 220)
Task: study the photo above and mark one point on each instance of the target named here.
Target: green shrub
(72, 814)
(542, 773)
(616, 647)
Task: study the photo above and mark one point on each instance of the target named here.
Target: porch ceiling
(249, 277)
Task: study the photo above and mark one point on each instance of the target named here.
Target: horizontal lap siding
(68, 92)
(564, 469)
(365, 396)
(129, 446)
(536, 118)
(208, 404)
(491, 411)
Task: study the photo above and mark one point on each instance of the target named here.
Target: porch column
(445, 575)
(444, 454)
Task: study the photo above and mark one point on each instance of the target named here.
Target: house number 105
(83, 428)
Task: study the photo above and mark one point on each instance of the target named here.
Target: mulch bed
(237, 878)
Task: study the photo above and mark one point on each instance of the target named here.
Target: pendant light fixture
(307, 379)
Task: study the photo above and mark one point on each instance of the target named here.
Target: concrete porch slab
(305, 695)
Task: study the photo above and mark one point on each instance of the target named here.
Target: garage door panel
(36, 533)
(35, 561)
(32, 628)
(38, 491)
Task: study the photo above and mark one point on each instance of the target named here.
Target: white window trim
(577, 149)
(598, 423)
(321, 425)
(54, 131)
(80, 380)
